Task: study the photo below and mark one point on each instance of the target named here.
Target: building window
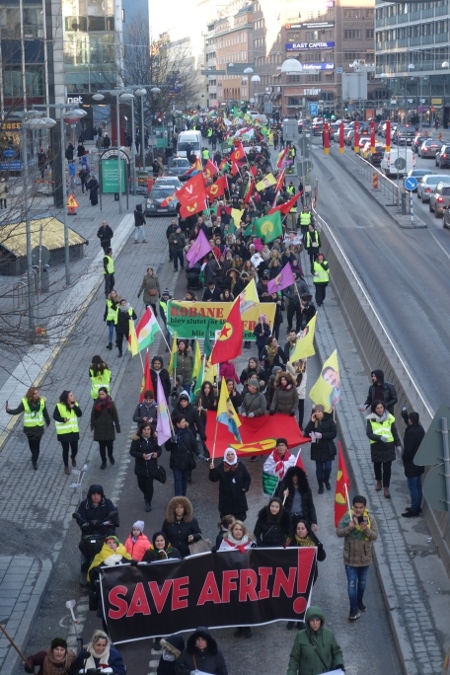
(369, 33)
(352, 34)
(293, 78)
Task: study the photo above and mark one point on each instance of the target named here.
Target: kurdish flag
(266, 182)
(341, 498)
(133, 345)
(226, 414)
(146, 383)
(163, 422)
(267, 228)
(326, 390)
(197, 361)
(304, 346)
(147, 329)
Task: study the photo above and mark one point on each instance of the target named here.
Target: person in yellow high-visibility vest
(110, 316)
(35, 414)
(66, 415)
(384, 438)
(100, 375)
(321, 277)
(108, 271)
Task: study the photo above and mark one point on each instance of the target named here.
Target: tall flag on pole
(229, 342)
(266, 182)
(200, 247)
(284, 279)
(341, 500)
(304, 346)
(226, 414)
(287, 206)
(249, 296)
(282, 156)
(326, 390)
(197, 361)
(132, 339)
(146, 384)
(147, 329)
(163, 426)
(173, 355)
(267, 228)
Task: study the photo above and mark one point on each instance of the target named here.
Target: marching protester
(125, 314)
(35, 414)
(201, 655)
(110, 315)
(105, 234)
(273, 525)
(321, 277)
(100, 653)
(184, 451)
(99, 374)
(104, 424)
(157, 369)
(276, 466)
(382, 432)
(151, 289)
(172, 648)
(297, 496)
(66, 415)
(234, 482)
(254, 403)
(57, 659)
(137, 542)
(145, 450)
(302, 534)
(161, 549)
(180, 526)
(359, 530)
(285, 397)
(315, 649)
(380, 390)
(412, 439)
(147, 410)
(322, 430)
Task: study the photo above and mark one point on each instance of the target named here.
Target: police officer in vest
(110, 316)
(66, 414)
(384, 438)
(306, 218)
(205, 156)
(125, 313)
(312, 244)
(321, 277)
(108, 271)
(35, 413)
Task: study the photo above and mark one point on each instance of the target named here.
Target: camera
(361, 519)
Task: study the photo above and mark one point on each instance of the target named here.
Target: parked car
(427, 185)
(161, 200)
(178, 168)
(375, 157)
(440, 198)
(403, 135)
(317, 128)
(173, 181)
(417, 142)
(429, 148)
(336, 133)
(443, 156)
(446, 219)
(419, 174)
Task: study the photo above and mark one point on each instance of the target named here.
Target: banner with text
(191, 319)
(212, 589)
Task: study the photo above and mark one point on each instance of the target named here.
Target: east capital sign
(297, 46)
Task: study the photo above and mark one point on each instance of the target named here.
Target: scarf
(241, 545)
(106, 553)
(306, 541)
(52, 667)
(103, 659)
(161, 554)
(227, 464)
(271, 353)
(103, 404)
(279, 462)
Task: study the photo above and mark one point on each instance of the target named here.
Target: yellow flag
(266, 182)
(236, 214)
(226, 413)
(249, 296)
(326, 390)
(197, 361)
(304, 346)
(173, 355)
(211, 372)
(133, 345)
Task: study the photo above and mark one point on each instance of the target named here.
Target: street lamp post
(127, 96)
(141, 93)
(99, 97)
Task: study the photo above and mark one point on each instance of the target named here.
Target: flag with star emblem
(229, 342)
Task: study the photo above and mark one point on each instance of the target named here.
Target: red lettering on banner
(306, 561)
(229, 583)
(184, 311)
(116, 600)
(210, 592)
(284, 583)
(264, 575)
(249, 326)
(247, 588)
(211, 313)
(180, 591)
(139, 603)
(160, 596)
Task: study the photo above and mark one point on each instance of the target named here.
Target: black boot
(321, 489)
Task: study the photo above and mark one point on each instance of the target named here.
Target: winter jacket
(262, 332)
(178, 531)
(358, 544)
(151, 289)
(308, 510)
(228, 371)
(254, 404)
(389, 395)
(139, 218)
(137, 548)
(150, 411)
(88, 513)
(379, 451)
(208, 660)
(248, 373)
(284, 399)
(300, 379)
(104, 422)
(46, 663)
(183, 449)
(185, 364)
(190, 413)
(123, 320)
(412, 439)
(141, 446)
(233, 486)
(277, 360)
(314, 652)
(323, 450)
(270, 531)
(115, 661)
(164, 377)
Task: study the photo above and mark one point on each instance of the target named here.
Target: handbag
(200, 546)
(332, 449)
(153, 292)
(160, 474)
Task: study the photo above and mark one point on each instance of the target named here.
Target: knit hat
(139, 525)
(165, 292)
(112, 536)
(319, 408)
(58, 642)
(253, 382)
(174, 644)
(184, 396)
(282, 440)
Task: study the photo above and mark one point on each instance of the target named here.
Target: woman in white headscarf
(100, 653)
(234, 483)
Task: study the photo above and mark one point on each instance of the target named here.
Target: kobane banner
(217, 590)
(190, 319)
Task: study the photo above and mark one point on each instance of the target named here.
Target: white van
(258, 117)
(192, 138)
(389, 159)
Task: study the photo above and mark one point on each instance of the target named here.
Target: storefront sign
(315, 25)
(297, 46)
(317, 66)
(109, 175)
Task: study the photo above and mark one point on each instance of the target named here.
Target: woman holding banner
(201, 655)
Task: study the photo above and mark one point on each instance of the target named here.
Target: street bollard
(375, 181)
(411, 206)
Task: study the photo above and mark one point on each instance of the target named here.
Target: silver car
(427, 185)
(440, 198)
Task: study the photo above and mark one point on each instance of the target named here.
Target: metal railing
(388, 187)
(20, 290)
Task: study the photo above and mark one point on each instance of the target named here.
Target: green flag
(207, 349)
(267, 228)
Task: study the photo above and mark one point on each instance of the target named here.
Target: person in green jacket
(315, 649)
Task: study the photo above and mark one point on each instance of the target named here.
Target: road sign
(72, 202)
(40, 254)
(411, 183)
(339, 70)
(313, 108)
(430, 450)
(400, 163)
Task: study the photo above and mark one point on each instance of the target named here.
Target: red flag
(217, 189)
(197, 166)
(280, 181)
(299, 462)
(250, 190)
(287, 206)
(165, 202)
(192, 196)
(210, 170)
(253, 170)
(282, 156)
(341, 504)
(234, 168)
(229, 342)
(238, 154)
(146, 383)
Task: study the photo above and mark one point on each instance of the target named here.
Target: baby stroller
(193, 277)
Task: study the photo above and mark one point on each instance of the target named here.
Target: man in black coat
(414, 434)
(183, 450)
(234, 483)
(211, 293)
(105, 234)
(95, 510)
(190, 413)
(380, 391)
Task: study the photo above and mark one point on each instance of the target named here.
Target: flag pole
(347, 498)
(214, 443)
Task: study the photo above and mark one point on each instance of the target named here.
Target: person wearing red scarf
(104, 423)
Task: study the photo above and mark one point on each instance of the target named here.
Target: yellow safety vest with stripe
(309, 239)
(305, 219)
(33, 418)
(99, 380)
(321, 276)
(109, 265)
(291, 190)
(111, 311)
(205, 154)
(383, 428)
(71, 425)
